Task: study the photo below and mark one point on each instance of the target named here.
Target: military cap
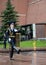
(10, 22)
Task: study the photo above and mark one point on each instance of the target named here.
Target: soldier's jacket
(11, 34)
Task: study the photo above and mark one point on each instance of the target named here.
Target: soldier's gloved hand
(9, 39)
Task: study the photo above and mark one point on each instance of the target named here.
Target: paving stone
(24, 58)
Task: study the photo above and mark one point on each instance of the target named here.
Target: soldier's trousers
(4, 43)
(13, 47)
(12, 51)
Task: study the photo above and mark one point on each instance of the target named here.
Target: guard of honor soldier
(10, 34)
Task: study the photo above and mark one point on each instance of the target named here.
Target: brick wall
(40, 31)
(30, 11)
(36, 11)
(20, 7)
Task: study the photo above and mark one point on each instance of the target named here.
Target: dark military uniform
(12, 40)
(11, 35)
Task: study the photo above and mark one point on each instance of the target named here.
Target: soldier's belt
(12, 36)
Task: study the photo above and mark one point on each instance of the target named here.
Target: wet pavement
(24, 58)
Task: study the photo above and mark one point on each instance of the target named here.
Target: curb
(23, 50)
(32, 49)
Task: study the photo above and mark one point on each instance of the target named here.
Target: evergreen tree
(7, 15)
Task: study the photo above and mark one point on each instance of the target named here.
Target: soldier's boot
(17, 50)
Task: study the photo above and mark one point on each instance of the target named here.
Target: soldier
(11, 33)
(4, 41)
